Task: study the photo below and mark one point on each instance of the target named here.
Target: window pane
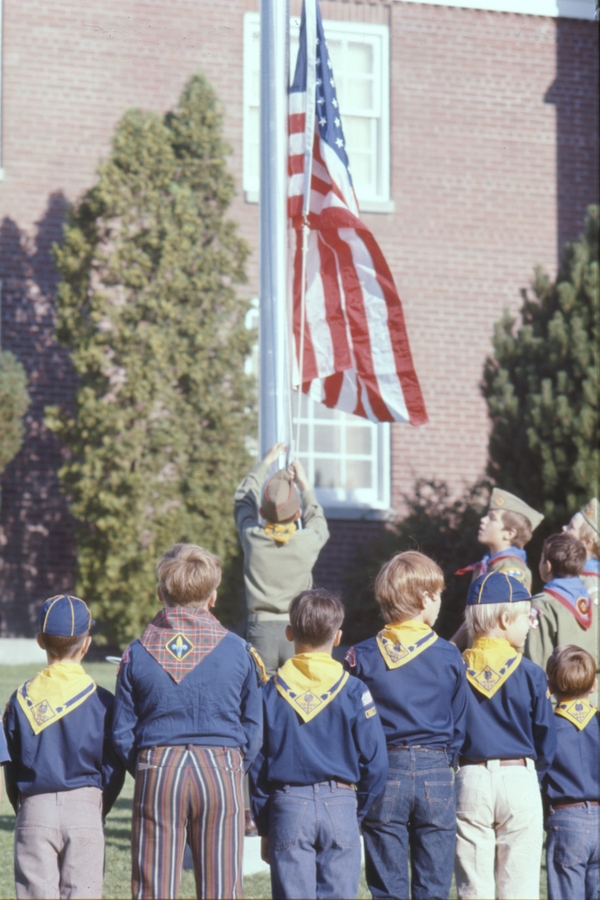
(304, 444)
(322, 412)
(359, 57)
(358, 440)
(327, 473)
(361, 169)
(327, 439)
(358, 95)
(358, 474)
(358, 133)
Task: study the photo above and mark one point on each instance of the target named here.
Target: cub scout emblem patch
(579, 712)
(42, 712)
(179, 646)
(308, 702)
(487, 678)
(399, 644)
(396, 652)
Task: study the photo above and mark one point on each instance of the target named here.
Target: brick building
(473, 134)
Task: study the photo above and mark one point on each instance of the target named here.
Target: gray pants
(269, 640)
(59, 845)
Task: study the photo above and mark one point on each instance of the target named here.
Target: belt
(416, 747)
(573, 805)
(280, 785)
(503, 762)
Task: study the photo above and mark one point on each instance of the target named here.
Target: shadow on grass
(7, 823)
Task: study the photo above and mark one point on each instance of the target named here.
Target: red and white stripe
(356, 352)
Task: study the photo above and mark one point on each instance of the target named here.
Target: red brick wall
(494, 148)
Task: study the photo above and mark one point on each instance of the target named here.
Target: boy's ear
(289, 633)
(594, 686)
(212, 599)
(337, 638)
(86, 645)
(504, 620)
(40, 641)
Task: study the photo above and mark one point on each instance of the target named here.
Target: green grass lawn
(118, 824)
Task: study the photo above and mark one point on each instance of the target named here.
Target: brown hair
(520, 524)
(315, 616)
(401, 583)
(589, 534)
(571, 671)
(61, 646)
(565, 554)
(187, 575)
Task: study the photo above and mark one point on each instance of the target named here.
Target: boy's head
(508, 522)
(188, 575)
(498, 605)
(404, 582)
(280, 500)
(65, 623)
(316, 616)
(584, 527)
(571, 672)
(563, 556)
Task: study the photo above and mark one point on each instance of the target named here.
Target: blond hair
(571, 671)
(402, 582)
(187, 575)
(481, 618)
(590, 536)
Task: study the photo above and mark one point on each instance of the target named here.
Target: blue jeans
(572, 854)
(314, 842)
(416, 810)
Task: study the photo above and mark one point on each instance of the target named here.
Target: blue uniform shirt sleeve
(371, 747)
(13, 743)
(260, 790)
(125, 716)
(113, 768)
(544, 730)
(459, 703)
(251, 714)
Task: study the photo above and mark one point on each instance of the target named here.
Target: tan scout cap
(503, 500)
(280, 498)
(590, 513)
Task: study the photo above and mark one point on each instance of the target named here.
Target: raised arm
(313, 516)
(246, 500)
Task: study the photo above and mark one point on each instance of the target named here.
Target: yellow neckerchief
(490, 661)
(279, 532)
(309, 682)
(402, 642)
(579, 712)
(53, 693)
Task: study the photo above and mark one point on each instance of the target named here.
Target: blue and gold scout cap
(496, 587)
(65, 616)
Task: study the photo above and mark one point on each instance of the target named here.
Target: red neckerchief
(484, 563)
(581, 607)
(179, 639)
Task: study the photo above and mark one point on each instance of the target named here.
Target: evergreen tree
(156, 332)
(541, 388)
(14, 401)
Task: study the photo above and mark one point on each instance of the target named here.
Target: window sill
(353, 511)
(367, 206)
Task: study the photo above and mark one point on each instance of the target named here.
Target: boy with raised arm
(278, 556)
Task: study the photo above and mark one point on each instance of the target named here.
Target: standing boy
(510, 742)
(278, 557)
(565, 612)
(188, 722)
(505, 530)
(584, 526)
(322, 736)
(64, 775)
(417, 681)
(572, 784)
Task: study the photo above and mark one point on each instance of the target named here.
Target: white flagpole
(274, 417)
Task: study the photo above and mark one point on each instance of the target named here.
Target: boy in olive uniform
(584, 527)
(505, 530)
(278, 557)
(565, 612)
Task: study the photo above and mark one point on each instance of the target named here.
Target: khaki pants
(500, 832)
(59, 845)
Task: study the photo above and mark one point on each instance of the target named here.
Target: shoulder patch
(259, 664)
(350, 657)
(370, 712)
(366, 698)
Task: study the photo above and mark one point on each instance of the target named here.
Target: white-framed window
(347, 459)
(360, 57)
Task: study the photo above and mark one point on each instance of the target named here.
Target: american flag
(356, 354)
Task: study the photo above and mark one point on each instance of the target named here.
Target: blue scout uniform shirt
(342, 741)
(422, 701)
(575, 773)
(75, 751)
(215, 704)
(509, 714)
(4, 754)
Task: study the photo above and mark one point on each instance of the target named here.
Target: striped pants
(188, 791)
